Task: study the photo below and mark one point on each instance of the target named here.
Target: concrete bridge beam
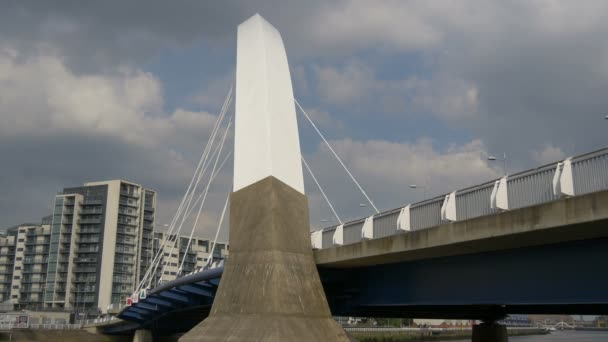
(142, 335)
(489, 332)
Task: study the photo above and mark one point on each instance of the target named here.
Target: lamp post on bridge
(423, 187)
(504, 161)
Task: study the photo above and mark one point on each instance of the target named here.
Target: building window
(20, 240)
(19, 249)
(19, 258)
(17, 277)
(15, 287)
(17, 268)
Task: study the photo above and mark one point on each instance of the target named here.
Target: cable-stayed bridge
(528, 242)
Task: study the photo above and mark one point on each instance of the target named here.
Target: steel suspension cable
(179, 270)
(217, 232)
(181, 207)
(336, 155)
(321, 189)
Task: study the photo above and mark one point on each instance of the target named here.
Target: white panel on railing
(338, 238)
(403, 221)
(556, 179)
(367, 232)
(316, 238)
(448, 208)
(566, 184)
(502, 194)
(493, 195)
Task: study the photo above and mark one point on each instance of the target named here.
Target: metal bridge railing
(574, 176)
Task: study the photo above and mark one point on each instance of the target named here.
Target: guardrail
(7, 327)
(577, 175)
(99, 320)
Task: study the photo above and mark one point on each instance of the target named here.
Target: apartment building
(177, 252)
(23, 264)
(91, 253)
(98, 233)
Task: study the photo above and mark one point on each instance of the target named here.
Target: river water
(563, 336)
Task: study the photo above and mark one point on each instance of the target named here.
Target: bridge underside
(553, 279)
(174, 307)
(565, 278)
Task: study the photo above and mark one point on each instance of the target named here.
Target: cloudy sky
(408, 92)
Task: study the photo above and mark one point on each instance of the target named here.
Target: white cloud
(548, 154)
(69, 128)
(42, 95)
(356, 86)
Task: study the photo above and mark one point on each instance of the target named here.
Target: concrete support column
(270, 289)
(142, 335)
(490, 332)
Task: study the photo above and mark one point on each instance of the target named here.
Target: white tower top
(266, 141)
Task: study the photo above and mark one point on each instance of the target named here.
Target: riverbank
(414, 336)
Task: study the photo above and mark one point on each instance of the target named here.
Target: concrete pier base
(490, 332)
(270, 289)
(142, 335)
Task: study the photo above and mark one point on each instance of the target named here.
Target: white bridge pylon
(266, 139)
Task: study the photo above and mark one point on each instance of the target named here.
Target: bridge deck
(577, 218)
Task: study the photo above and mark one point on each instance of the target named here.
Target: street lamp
(504, 161)
(362, 205)
(423, 187)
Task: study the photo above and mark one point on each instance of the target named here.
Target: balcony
(122, 280)
(89, 231)
(128, 232)
(85, 260)
(90, 211)
(89, 221)
(35, 252)
(31, 261)
(88, 250)
(129, 251)
(85, 270)
(92, 202)
(88, 240)
(122, 262)
(33, 281)
(128, 212)
(85, 280)
(129, 203)
(34, 270)
(132, 223)
(129, 193)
